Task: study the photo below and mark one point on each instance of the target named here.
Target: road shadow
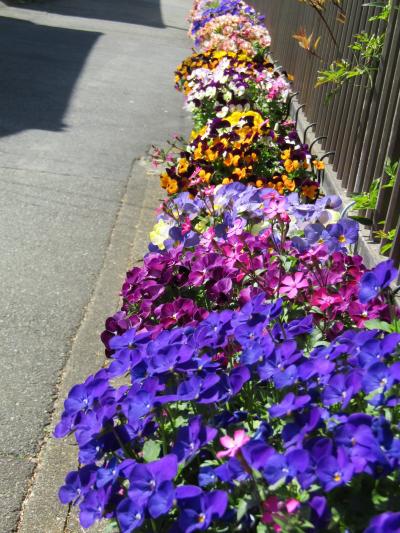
(39, 67)
(143, 12)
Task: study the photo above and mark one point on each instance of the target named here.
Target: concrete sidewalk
(86, 88)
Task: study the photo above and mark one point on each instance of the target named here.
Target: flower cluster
(243, 147)
(236, 61)
(253, 372)
(225, 89)
(203, 12)
(233, 33)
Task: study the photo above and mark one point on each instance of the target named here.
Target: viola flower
(234, 444)
(93, 507)
(197, 512)
(191, 438)
(290, 403)
(130, 515)
(150, 484)
(377, 279)
(388, 522)
(334, 471)
(290, 285)
(345, 232)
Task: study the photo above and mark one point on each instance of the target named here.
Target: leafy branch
(367, 52)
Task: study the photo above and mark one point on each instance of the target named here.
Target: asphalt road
(86, 87)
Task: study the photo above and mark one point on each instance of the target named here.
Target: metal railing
(360, 123)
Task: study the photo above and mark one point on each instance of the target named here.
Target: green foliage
(367, 51)
(368, 201)
(391, 170)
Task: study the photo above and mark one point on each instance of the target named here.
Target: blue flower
(130, 515)
(150, 484)
(192, 437)
(377, 279)
(198, 512)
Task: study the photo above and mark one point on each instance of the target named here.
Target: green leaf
(386, 247)
(261, 528)
(378, 324)
(151, 450)
(112, 527)
(241, 509)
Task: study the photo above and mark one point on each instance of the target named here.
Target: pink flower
(291, 285)
(234, 444)
(272, 509)
(292, 505)
(277, 208)
(186, 226)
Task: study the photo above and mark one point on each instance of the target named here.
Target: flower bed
(252, 377)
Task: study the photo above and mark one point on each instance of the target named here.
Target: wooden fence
(360, 124)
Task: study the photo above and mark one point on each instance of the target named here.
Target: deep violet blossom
(377, 279)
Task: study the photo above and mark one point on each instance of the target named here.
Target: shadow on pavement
(39, 66)
(143, 12)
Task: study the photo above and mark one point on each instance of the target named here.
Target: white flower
(223, 112)
(190, 107)
(228, 96)
(210, 92)
(160, 233)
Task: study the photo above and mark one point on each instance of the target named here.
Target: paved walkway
(86, 87)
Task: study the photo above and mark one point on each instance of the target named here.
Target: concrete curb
(42, 512)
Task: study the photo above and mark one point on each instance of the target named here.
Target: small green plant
(367, 51)
(391, 170)
(368, 201)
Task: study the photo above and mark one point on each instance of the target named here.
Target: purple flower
(130, 515)
(380, 378)
(279, 365)
(277, 468)
(198, 512)
(341, 388)
(231, 471)
(334, 471)
(150, 484)
(256, 453)
(218, 388)
(83, 397)
(377, 279)
(207, 476)
(290, 403)
(192, 437)
(344, 232)
(137, 404)
(107, 474)
(320, 513)
(384, 523)
(92, 507)
(77, 483)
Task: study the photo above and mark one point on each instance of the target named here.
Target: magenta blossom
(234, 444)
(291, 284)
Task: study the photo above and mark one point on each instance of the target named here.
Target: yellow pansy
(172, 187)
(183, 165)
(205, 176)
(164, 180)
